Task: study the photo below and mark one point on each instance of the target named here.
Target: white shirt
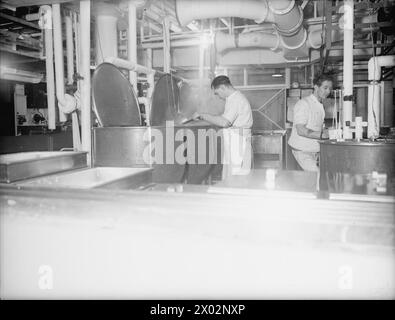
(310, 112)
(238, 111)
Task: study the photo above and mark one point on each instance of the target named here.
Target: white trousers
(307, 160)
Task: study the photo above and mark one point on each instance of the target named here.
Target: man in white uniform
(307, 130)
(237, 122)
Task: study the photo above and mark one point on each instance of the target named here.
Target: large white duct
(286, 16)
(316, 38)
(374, 94)
(288, 19)
(225, 41)
(106, 33)
(189, 10)
(46, 24)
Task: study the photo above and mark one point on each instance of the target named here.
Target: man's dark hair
(220, 80)
(319, 79)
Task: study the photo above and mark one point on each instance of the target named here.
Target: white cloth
(237, 156)
(310, 112)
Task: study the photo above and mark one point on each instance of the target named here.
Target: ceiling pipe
(69, 49)
(129, 65)
(376, 63)
(288, 19)
(316, 38)
(189, 10)
(286, 16)
(66, 102)
(374, 92)
(224, 41)
(45, 22)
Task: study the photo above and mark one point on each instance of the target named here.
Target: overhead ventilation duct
(257, 39)
(286, 16)
(225, 41)
(288, 19)
(189, 10)
(106, 35)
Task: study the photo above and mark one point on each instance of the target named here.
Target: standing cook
(237, 122)
(308, 122)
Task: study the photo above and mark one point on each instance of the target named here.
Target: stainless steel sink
(100, 177)
(25, 165)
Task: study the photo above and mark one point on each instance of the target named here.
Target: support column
(348, 61)
(59, 62)
(85, 14)
(46, 24)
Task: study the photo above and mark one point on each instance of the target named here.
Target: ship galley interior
(185, 149)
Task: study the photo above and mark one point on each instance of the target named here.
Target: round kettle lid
(165, 101)
(172, 100)
(114, 101)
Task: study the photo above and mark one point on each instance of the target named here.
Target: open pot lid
(165, 101)
(114, 101)
(172, 100)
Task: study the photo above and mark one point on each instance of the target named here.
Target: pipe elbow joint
(45, 13)
(375, 64)
(68, 104)
(295, 29)
(276, 10)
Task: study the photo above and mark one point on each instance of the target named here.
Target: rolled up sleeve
(301, 113)
(230, 114)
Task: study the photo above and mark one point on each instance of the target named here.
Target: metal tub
(24, 165)
(349, 158)
(107, 178)
(126, 146)
(357, 157)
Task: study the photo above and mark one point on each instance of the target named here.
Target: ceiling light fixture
(277, 74)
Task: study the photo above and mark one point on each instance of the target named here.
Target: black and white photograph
(213, 152)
